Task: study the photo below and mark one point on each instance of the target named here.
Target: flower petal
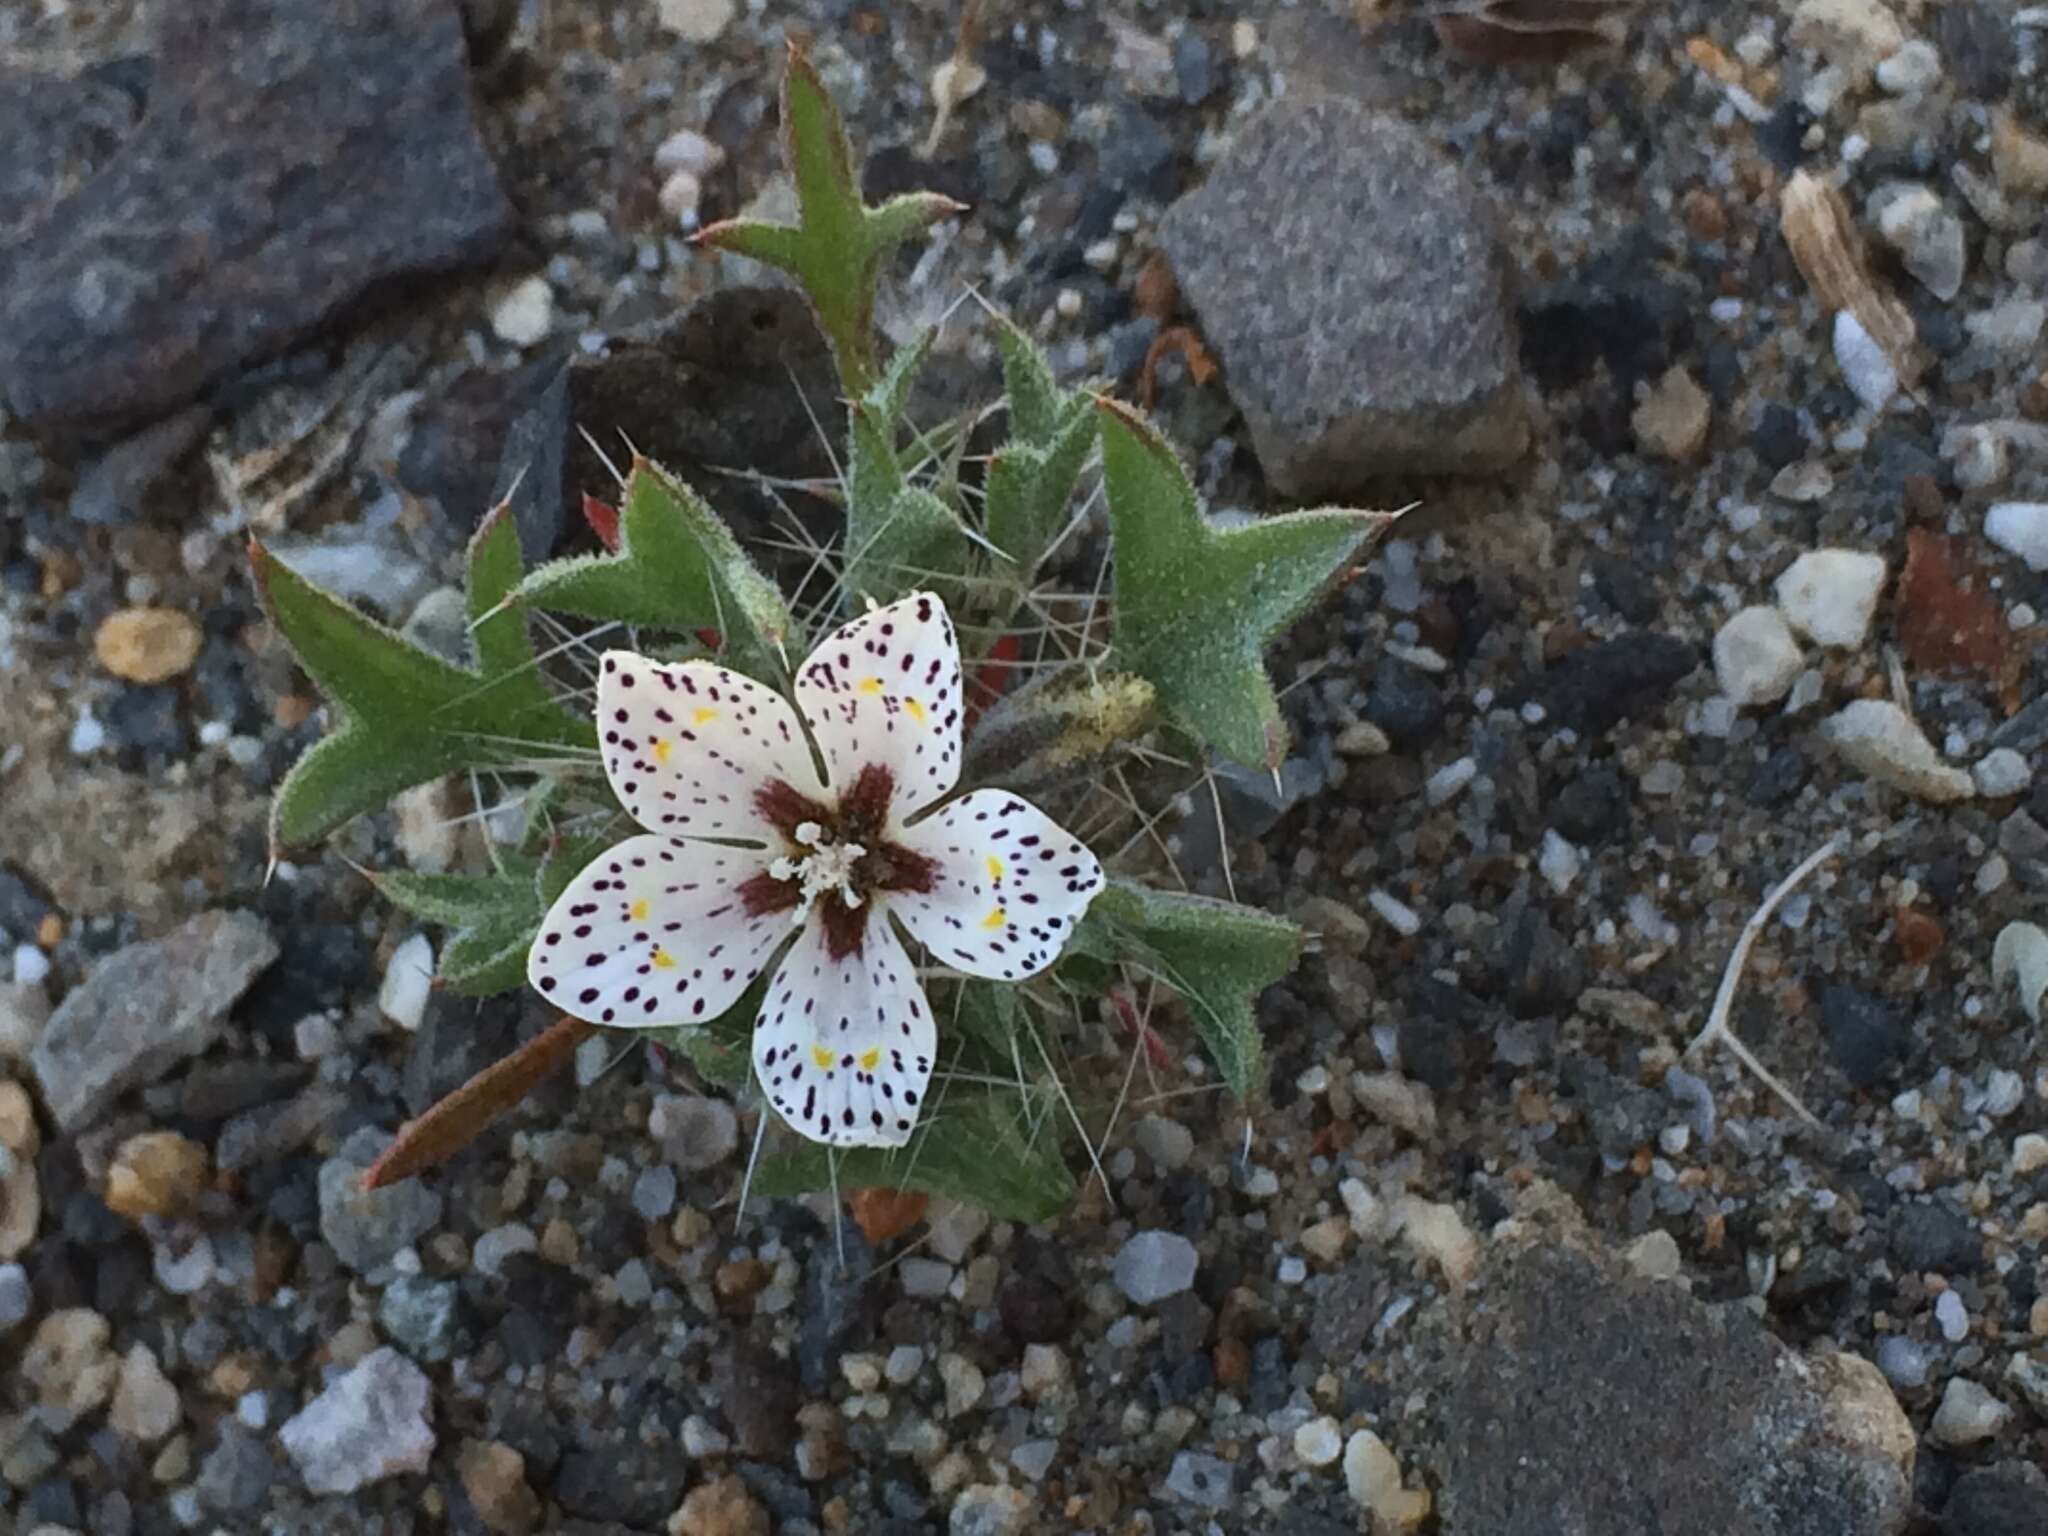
(655, 932)
(1010, 885)
(690, 746)
(884, 691)
(844, 1047)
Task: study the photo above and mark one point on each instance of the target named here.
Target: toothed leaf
(492, 920)
(1217, 955)
(1196, 605)
(836, 249)
(678, 568)
(973, 1146)
(405, 716)
(912, 543)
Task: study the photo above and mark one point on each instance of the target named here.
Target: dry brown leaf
(1529, 31)
(886, 1213)
(1829, 254)
(1948, 620)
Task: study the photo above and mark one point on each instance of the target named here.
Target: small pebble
(1914, 70)
(31, 965)
(1397, 915)
(2002, 772)
(147, 645)
(1756, 657)
(2029, 1153)
(654, 1193)
(408, 983)
(1968, 1414)
(1876, 737)
(2019, 528)
(903, 1364)
(1318, 1442)
(1153, 1265)
(523, 314)
(924, 1277)
(1373, 1478)
(1445, 784)
(1034, 1458)
(1830, 595)
(1865, 368)
(1951, 1317)
(1164, 1140)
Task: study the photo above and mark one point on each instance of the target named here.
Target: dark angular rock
(144, 1008)
(622, 1479)
(1778, 779)
(290, 158)
(1596, 687)
(760, 1395)
(1394, 262)
(237, 1474)
(2009, 1499)
(1532, 968)
(1867, 1036)
(58, 132)
(1778, 438)
(1405, 704)
(1930, 1238)
(1564, 1348)
(839, 1305)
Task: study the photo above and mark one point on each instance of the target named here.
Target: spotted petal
(1010, 885)
(884, 691)
(690, 746)
(844, 1047)
(655, 932)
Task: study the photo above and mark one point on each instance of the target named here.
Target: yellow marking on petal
(662, 749)
(639, 910)
(704, 715)
(870, 1059)
(996, 867)
(663, 960)
(995, 919)
(871, 686)
(821, 1056)
(914, 709)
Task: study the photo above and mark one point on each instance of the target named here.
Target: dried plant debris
(1518, 31)
(1830, 256)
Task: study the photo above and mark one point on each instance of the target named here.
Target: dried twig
(1829, 254)
(1724, 1000)
(461, 1117)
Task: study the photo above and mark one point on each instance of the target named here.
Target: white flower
(746, 843)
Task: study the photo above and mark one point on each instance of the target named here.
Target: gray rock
(16, 1299)
(365, 1227)
(420, 1314)
(237, 1474)
(1704, 1422)
(145, 1008)
(290, 158)
(370, 1424)
(1153, 1265)
(1364, 330)
(1207, 1482)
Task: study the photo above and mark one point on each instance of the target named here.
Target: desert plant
(1054, 692)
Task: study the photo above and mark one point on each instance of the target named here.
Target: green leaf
(1217, 955)
(911, 544)
(1031, 477)
(493, 919)
(721, 1050)
(678, 568)
(973, 1146)
(1196, 605)
(836, 249)
(405, 716)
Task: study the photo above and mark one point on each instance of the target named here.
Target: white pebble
(1968, 1414)
(1876, 737)
(31, 965)
(688, 150)
(1868, 372)
(1398, 915)
(1951, 1318)
(408, 983)
(87, 734)
(1449, 780)
(1154, 1265)
(1318, 1442)
(1913, 70)
(925, 1277)
(2029, 1153)
(681, 192)
(2001, 772)
(2017, 527)
(1559, 862)
(1293, 1270)
(500, 1243)
(524, 313)
(903, 1364)
(1755, 656)
(1830, 595)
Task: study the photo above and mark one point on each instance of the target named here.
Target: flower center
(830, 866)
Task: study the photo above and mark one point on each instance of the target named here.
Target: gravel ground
(1497, 1251)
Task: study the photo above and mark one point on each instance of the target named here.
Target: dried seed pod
(1829, 254)
(1529, 31)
